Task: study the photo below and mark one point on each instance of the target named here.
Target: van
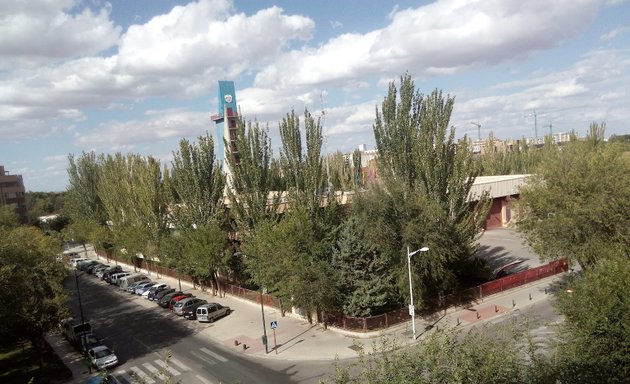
(127, 281)
(74, 331)
(113, 279)
(211, 311)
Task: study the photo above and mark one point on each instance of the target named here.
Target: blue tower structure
(226, 122)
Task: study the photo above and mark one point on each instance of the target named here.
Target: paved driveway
(504, 248)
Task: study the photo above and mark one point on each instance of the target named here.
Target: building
(226, 125)
(12, 192)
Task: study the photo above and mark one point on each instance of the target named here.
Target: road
(142, 333)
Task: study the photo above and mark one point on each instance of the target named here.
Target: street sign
(412, 310)
(274, 324)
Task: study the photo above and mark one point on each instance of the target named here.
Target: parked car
(90, 269)
(102, 357)
(161, 293)
(98, 271)
(88, 341)
(82, 265)
(73, 330)
(151, 292)
(178, 298)
(75, 261)
(141, 287)
(113, 279)
(125, 281)
(132, 287)
(211, 311)
(166, 298)
(103, 379)
(186, 303)
(110, 271)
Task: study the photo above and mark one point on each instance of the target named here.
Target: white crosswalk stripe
(213, 354)
(203, 357)
(167, 367)
(204, 381)
(143, 376)
(181, 365)
(154, 371)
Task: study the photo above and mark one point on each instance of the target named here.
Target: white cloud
(613, 33)
(440, 38)
(159, 126)
(36, 32)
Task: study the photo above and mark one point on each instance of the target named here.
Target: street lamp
(262, 306)
(412, 311)
(76, 279)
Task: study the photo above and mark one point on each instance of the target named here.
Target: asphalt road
(142, 334)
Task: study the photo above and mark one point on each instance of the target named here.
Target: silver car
(181, 305)
(211, 311)
(102, 357)
(140, 288)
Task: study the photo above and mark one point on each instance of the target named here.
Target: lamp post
(412, 310)
(76, 280)
(262, 306)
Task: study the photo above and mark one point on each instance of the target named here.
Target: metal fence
(375, 323)
(386, 320)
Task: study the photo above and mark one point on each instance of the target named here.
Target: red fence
(374, 323)
(386, 320)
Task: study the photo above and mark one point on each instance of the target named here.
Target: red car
(177, 298)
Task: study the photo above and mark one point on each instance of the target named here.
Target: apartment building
(12, 192)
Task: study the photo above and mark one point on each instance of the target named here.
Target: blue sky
(139, 75)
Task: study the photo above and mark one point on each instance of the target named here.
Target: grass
(19, 365)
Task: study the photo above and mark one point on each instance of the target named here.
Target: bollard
(545, 290)
(437, 328)
(244, 346)
(458, 321)
(530, 296)
(513, 303)
(478, 315)
(236, 343)
(496, 309)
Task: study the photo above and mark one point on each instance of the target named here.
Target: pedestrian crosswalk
(160, 371)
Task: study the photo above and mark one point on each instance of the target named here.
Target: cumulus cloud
(439, 38)
(158, 126)
(36, 32)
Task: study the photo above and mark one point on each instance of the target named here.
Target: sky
(137, 76)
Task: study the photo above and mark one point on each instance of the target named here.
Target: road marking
(205, 381)
(179, 364)
(143, 376)
(213, 354)
(154, 371)
(124, 376)
(200, 357)
(167, 367)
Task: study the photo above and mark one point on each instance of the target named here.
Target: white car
(154, 288)
(140, 288)
(102, 357)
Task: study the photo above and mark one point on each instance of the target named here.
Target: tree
(502, 356)
(595, 337)
(197, 184)
(32, 281)
(365, 285)
(83, 201)
(253, 177)
(576, 204)
(427, 179)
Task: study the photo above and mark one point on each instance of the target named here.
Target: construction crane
(535, 122)
(478, 129)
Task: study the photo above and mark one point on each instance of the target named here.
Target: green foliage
(44, 204)
(447, 357)
(365, 284)
(32, 282)
(521, 159)
(83, 200)
(427, 178)
(254, 176)
(197, 184)
(8, 217)
(595, 342)
(577, 203)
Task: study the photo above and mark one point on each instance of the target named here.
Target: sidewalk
(296, 339)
